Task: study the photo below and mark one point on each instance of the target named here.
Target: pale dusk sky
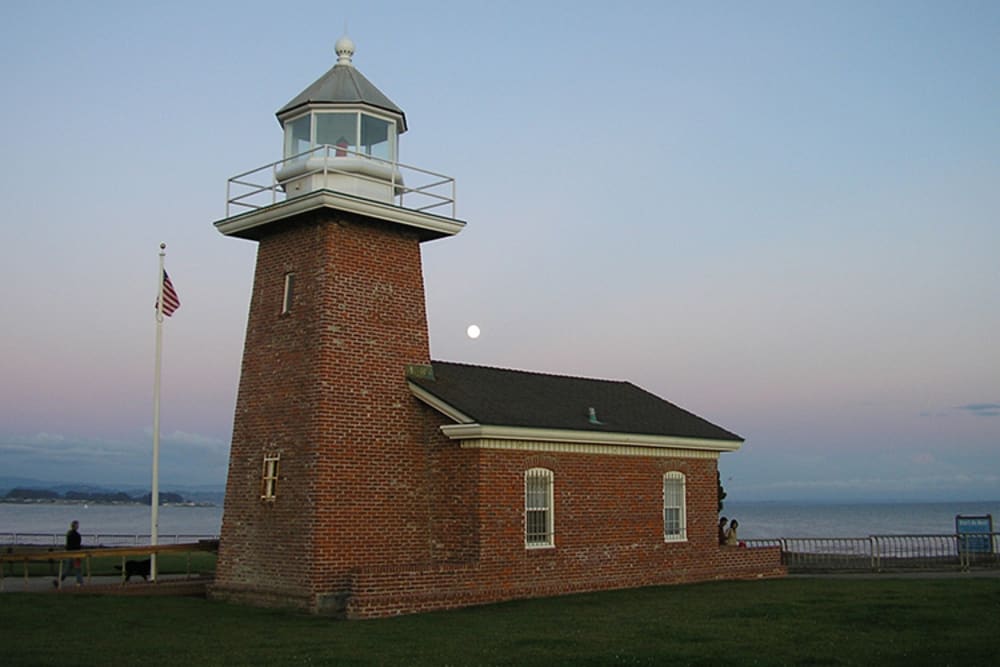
(782, 216)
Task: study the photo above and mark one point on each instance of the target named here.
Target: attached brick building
(365, 479)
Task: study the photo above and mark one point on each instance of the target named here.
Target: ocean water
(96, 519)
(758, 520)
(767, 520)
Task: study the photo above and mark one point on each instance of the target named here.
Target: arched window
(674, 507)
(538, 520)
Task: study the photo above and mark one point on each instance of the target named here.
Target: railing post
(392, 182)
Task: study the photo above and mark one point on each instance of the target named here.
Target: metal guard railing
(878, 553)
(415, 189)
(97, 539)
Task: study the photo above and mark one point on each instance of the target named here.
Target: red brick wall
(608, 527)
(377, 512)
(325, 387)
(453, 495)
(388, 592)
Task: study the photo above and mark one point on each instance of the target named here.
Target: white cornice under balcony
(244, 224)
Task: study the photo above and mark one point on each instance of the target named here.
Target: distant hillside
(19, 489)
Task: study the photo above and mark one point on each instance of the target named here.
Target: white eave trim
(473, 431)
(439, 405)
(238, 225)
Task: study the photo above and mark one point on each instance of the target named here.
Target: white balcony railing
(406, 186)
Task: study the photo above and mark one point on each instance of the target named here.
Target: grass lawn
(778, 622)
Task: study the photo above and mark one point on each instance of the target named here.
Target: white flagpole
(154, 499)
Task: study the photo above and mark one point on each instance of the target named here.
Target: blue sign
(975, 533)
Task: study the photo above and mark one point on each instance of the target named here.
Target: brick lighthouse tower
(326, 430)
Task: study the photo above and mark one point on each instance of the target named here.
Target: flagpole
(154, 497)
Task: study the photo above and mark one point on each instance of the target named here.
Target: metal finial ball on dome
(345, 50)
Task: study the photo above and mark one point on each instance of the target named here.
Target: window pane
(297, 136)
(673, 506)
(337, 129)
(538, 507)
(672, 520)
(375, 137)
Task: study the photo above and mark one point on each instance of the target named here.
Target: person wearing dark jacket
(72, 565)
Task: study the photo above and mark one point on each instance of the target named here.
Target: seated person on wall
(732, 539)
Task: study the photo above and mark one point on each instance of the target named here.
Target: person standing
(72, 565)
(722, 531)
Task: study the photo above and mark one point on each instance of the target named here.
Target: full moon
(472, 331)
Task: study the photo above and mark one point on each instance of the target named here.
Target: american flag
(170, 300)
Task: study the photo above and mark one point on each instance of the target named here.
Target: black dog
(138, 568)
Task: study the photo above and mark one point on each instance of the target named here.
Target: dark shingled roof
(344, 84)
(501, 397)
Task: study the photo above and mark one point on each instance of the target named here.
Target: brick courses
(377, 512)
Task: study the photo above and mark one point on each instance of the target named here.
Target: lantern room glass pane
(297, 139)
(376, 137)
(339, 130)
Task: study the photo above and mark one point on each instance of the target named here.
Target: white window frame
(288, 295)
(269, 478)
(674, 500)
(539, 500)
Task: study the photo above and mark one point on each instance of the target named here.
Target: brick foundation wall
(376, 594)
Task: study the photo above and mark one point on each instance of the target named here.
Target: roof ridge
(526, 372)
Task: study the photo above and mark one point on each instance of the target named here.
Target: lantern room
(341, 151)
(353, 132)
(341, 133)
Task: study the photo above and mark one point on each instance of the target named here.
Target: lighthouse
(366, 479)
(326, 466)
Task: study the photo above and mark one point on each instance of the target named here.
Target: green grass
(780, 622)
